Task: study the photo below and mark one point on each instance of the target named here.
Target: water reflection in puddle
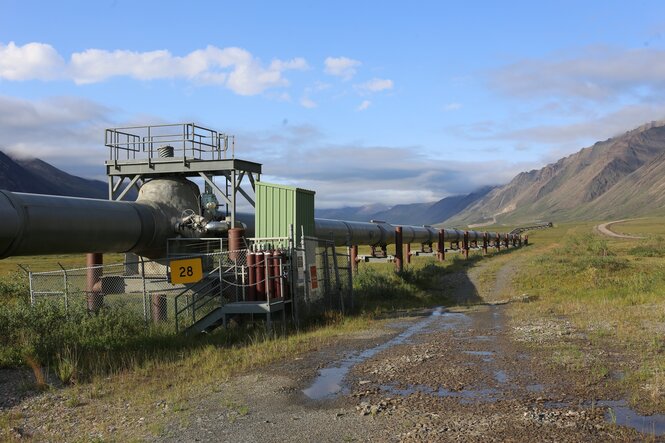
(619, 413)
(535, 388)
(481, 353)
(465, 395)
(329, 380)
(501, 376)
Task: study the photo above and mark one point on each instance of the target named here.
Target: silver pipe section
(33, 224)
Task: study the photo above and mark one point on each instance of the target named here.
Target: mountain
(408, 214)
(613, 178)
(38, 177)
(352, 213)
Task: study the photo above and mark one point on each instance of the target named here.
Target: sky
(361, 101)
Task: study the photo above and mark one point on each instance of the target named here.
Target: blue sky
(364, 102)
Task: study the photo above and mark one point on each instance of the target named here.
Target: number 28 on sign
(186, 271)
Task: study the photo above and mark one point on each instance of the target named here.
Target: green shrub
(74, 342)
(14, 287)
(651, 248)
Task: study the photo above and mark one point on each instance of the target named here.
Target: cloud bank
(235, 68)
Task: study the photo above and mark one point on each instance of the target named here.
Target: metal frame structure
(141, 153)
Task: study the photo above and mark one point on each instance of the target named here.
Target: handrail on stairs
(200, 293)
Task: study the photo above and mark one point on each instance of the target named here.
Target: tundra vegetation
(595, 305)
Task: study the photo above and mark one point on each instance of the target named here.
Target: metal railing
(187, 140)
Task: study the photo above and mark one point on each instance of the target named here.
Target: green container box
(279, 206)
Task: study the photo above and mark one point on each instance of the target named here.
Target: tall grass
(378, 287)
(611, 291)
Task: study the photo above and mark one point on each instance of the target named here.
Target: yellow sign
(186, 271)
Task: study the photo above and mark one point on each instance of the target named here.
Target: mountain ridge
(575, 186)
(36, 176)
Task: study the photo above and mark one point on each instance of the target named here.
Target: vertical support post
(497, 242)
(442, 245)
(145, 292)
(94, 264)
(158, 308)
(354, 258)
(399, 250)
(234, 190)
(408, 253)
(465, 244)
(485, 241)
(505, 240)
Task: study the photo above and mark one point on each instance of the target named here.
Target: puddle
(483, 338)
(481, 353)
(329, 380)
(465, 395)
(619, 413)
(501, 376)
(535, 388)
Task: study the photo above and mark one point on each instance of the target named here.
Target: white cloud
(69, 133)
(65, 131)
(234, 68)
(33, 61)
(376, 85)
(341, 67)
(307, 103)
(452, 107)
(597, 74)
(364, 105)
(352, 174)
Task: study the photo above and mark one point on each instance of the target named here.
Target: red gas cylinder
(277, 258)
(236, 242)
(260, 276)
(251, 276)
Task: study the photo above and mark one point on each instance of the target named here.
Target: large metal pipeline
(381, 233)
(34, 224)
(44, 224)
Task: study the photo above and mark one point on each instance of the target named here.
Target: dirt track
(605, 230)
(456, 375)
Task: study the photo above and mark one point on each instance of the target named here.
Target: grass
(39, 263)
(113, 359)
(611, 292)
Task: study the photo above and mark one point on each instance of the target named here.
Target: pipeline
(380, 233)
(35, 224)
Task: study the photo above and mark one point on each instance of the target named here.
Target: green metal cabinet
(279, 206)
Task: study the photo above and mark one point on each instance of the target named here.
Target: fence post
(399, 250)
(338, 286)
(145, 296)
(64, 271)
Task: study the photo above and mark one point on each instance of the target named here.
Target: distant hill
(38, 177)
(352, 213)
(623, 176)
(408, 214)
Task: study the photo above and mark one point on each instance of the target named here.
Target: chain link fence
(317, 276)
(324, 278)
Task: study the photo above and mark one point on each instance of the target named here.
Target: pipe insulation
(35, 224)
